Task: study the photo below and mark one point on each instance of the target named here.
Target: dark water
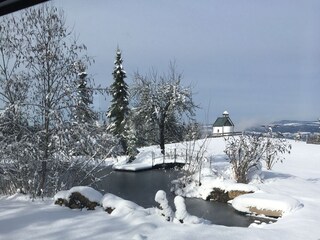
(141, 187)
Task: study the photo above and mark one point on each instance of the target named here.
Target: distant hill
(289, 128)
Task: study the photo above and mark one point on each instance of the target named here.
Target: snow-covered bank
(274, 205)
(298, 177)
(148, 158)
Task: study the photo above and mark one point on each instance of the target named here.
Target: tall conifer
(118, 112)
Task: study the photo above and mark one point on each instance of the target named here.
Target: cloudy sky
(257, 59)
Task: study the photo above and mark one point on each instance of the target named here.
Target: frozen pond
(141, 187)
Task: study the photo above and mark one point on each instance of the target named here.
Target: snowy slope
(298, 178)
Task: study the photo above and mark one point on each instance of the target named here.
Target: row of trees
(160, 106)
(48, 131)
(49, 135)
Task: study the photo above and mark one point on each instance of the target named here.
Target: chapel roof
(223, 121)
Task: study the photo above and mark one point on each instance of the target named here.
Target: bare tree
(159, 99)
(15, 150)
(195, 157)
(43, 146)
(48, 52)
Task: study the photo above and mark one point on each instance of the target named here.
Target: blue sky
(258, 59)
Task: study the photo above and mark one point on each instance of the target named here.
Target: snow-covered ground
(149, 157)
(297, 179)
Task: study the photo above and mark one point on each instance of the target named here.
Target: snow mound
(61, 195)
(88, 192)
(275, 205)
(182, 216)
(165, 210)
(146, 154)
(143, 161)
(133, 167)
(191, 189)
(240, 187)
(19, 197)
(121, 207)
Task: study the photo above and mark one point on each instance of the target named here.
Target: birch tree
(42, 93)
(48, 52)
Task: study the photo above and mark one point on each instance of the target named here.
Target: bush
(275, 148)
(245, 153)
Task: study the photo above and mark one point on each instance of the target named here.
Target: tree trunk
(43, 175)
(161, 137)
(124, 145)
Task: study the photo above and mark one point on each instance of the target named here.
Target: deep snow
(297, 178)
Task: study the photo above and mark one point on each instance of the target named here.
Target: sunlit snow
(293, 187)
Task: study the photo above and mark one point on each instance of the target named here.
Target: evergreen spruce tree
(84, 113)
(83, 127)
(118, 112)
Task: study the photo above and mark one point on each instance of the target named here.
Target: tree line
(50, 136)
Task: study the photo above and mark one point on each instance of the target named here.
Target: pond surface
(141, 187)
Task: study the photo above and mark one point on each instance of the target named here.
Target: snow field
(297, 178)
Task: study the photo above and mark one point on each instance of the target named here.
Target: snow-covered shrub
(181, 211)
(181, 214)
(117, 206)
(195, 157)
(18, 165)
(60, 198)
(245, 153)
(164, 209)
(79, 197)
(275, 148)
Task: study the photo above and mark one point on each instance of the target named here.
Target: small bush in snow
(60, 198)
(164, 209)
(79, 197)
(182, 216)
(181, 211)
(275, 148)
(77, 200)
(245, 153)
(120, 207)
